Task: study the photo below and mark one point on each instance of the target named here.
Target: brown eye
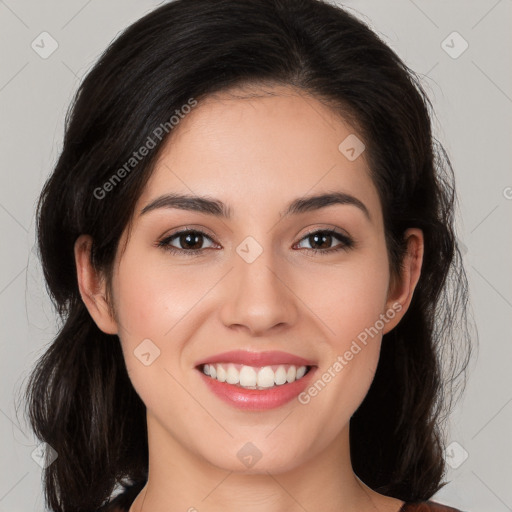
(189, 241)
(322, 240)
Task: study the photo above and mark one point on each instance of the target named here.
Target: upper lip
(256, 359)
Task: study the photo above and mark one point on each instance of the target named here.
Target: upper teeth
(254, 378)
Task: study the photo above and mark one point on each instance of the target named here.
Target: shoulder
(427, 506)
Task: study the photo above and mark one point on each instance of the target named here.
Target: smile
(250, 377)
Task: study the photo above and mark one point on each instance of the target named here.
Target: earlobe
(401, 290)
(92, 286)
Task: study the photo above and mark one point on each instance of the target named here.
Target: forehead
(259, 148)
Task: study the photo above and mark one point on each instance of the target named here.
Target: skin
(256, 154)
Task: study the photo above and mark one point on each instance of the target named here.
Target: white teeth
(280, 376)
(300, 372)
(233, 376)
(248, 376)
(254, 378)
(221, 373)
(266, 377)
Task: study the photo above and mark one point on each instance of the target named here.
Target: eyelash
(347, 243)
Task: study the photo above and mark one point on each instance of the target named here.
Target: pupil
(317, 236)
(189, 237)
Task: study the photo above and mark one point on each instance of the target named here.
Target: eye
(189, 239)
(324, 238)
(191, 242)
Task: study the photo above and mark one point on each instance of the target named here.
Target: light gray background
(472, 95)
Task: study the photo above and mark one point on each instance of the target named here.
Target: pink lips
(257, 399)
(256, 359)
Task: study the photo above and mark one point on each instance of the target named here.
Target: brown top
(427, 506)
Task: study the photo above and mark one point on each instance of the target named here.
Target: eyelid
(346, 241)
(329, 227)
(189, 227)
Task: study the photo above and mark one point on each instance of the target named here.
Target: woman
(249, 236)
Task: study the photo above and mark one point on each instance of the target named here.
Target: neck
(180, 479)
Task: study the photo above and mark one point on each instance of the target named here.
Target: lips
(256, 359)
(267, 394)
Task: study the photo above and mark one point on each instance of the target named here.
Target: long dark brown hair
(79, 397)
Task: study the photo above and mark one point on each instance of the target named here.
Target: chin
(253, 458)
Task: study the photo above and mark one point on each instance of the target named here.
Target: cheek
(157, 306)
(144, 315)
(152, 297)
(349, 299)
(351, 310)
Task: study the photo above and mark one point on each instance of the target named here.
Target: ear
(92, 286)
(401, 290)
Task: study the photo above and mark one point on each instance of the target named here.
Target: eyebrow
(217, 208)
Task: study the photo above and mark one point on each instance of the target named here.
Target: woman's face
(256, 285)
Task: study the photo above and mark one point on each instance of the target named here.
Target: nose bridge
(260, 298)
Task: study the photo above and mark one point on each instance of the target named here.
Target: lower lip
(258, 399)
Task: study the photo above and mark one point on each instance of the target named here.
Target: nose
(259, 297)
